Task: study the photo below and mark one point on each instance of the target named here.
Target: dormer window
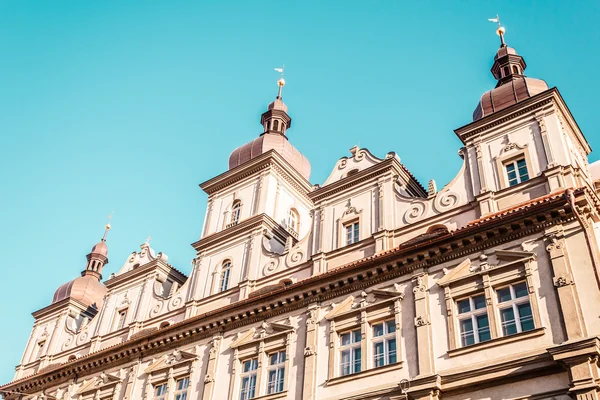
(224, 279)
(516, 171)
(236, 211)
(293, 220)
(352, 232)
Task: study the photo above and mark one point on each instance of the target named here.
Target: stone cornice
(338, 282)
(243, 228)
(390, 164)
(267, 160)
(59, 306)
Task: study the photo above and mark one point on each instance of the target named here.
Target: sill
(497, 341)
(273, 396)
(364, 374)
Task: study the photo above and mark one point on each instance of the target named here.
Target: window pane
(525, 317)
(521, 163)
(272, 381)
(503, 294)
(509, 325)
(483, 328)
(273, 359)
(391, 344)
(510, 168)
(391, 326)
(377, 330)
(357, 360)
(345, 364)
(345, 338)
(463, 306)
(520, 290)
(466, 332)
(479, 302)
(378, 354)
(356, 336)
(512, 175)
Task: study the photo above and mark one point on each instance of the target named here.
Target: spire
(276, 120)
(98, 257)
(508, 65)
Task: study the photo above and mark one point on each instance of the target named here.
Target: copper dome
(513, 86)
(266, 142)
(85, 289)
(100, 248)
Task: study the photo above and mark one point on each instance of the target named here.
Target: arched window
(224, 279)
(275, 125)
(293, 221)
(164, 325)
(236, 210)
(506, 71)
(515, 69)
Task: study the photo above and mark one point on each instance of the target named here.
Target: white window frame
(245, 392)
(225, 276)
(278, 384)
(514, 163)
(472, 315)
(182, 392)
(293, 221)
(513, 303)
(351, 349)
(236, 211)
(163, 395)
(352, 232)
(386, 337)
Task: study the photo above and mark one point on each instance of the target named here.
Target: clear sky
(129, 105)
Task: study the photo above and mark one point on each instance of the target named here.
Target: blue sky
(129, 105)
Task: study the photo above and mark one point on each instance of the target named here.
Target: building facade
(369, 286)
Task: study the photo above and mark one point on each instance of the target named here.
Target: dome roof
(85, 289)
(518, 89)
(271, 141)
(278, 104)
(100, 248)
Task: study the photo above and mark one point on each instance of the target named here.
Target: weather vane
(281, 81)
(500, 31)
(107, 226)
(148, 239)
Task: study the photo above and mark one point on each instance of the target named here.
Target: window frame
(350, 348)
(516, 169)
(279, 369)
(386, 338)
(513, 304)
(351, 232)
(163, 396)
(224, 276)
(293, 220)
(249, 375)
(508, 154)
(236, 212)
(472, 315)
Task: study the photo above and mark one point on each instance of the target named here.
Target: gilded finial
(500, 31)
(281, 81)
(107, 226)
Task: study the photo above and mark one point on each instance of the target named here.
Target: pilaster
(211, 368)
(565, 286)
(310, 353)
(423, 324)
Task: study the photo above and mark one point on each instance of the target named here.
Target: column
(481, 169)
(546, 143)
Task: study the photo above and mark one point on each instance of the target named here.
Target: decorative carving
(309, 351)
(421, 321)
(445, 200)
(350, 209)
(312, 317)
(208, 379)
(419, 285)
(68, 342)
(561, 281)
(175, 302)
(415, 211)
(483, 264)
(398, 287)
(271, 266)
(555, 242)
(214, 345)
(295, 257)
(82, 338)
(156, 309)
(173, 358)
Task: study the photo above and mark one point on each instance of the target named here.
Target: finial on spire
(281, 81)
(107, 227)
(148, 239)
(500, 31)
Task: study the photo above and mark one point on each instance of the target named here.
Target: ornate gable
(173, 359)
(101, 382)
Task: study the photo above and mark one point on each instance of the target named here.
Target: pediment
(341, 308)
(100, 382)
(265, 331)
(176, 357)
(460, 271)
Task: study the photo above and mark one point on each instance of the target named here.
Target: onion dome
(512, 86)
(88, 289)
(275, 122)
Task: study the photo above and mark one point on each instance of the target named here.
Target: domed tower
(275, 122)
(523, 142)
(512, 87)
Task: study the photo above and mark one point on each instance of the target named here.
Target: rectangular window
(276, 372)
(248, 389)
(40, 349)
(181, 388)
(473, 320)
(352, 232)
(160, 392)
(350, 352)
(516, 171)
(121, 319)
(384, 343)
(515, 309)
